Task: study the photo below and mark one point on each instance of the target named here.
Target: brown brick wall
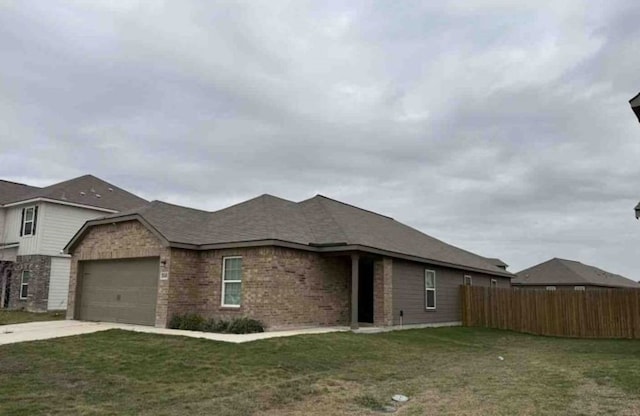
(281, 287)
(121, 240)
(38, 292)
(383, 292)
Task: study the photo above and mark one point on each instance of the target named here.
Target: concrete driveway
(33, 331)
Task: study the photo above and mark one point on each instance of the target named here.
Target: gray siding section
(409, 292)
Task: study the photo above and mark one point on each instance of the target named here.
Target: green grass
(443, 371)
(19, 317)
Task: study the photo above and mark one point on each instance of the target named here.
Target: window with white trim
(494, 283)
(551, 288)
(24, 284)
(468, 280)
(29, 221)
(579, 288)
(231, 281)
(429, 289)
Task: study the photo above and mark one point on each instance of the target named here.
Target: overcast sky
(502, 127)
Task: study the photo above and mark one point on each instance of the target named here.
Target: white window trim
(494, 283)
(579, 288)
(550, 288)
(433, 289)
(467, 276)
(224, 269)
(22, 284)
(24, 221)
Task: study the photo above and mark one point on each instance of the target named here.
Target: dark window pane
(24, 290)
(431, 299)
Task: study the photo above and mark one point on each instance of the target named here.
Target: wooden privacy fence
(610, 313)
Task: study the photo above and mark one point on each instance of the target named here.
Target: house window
(231, 281)
(28, 221)
(580, 288)
(430, 289)
(24, 284)
(468, 280)
(551, 288)
(494, 283)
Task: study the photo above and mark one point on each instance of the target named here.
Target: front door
(365, 291)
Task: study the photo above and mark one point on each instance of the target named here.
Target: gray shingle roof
(497, 262)
(568, 272)
(316, 221)
(85, 190)
(12, 191)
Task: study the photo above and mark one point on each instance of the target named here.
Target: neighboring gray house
(315, 262)
(36, 224)
(559, 274)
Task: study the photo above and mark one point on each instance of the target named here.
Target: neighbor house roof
(85, 190)
(318, 223)
(560, 272)
(11, 191)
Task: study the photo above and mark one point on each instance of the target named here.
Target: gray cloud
(503, 128)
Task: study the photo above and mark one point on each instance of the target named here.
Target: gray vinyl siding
(409, 292)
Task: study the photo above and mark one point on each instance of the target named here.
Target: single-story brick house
(562, 274)
(288, 264)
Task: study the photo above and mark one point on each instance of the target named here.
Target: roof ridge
(352, 206)
(17, 183)
(571, 270)
(331, 216)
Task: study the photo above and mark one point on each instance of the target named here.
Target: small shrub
(188, 321)
(221, 326)
(195, 322)
(209, 325)
(245, 326)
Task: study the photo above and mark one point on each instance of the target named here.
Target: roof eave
(61, 202)
(332, 249)
(373, 250)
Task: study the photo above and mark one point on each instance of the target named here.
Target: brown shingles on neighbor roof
(11, 191)
(85, 190)
(558, 272)
(316, 221)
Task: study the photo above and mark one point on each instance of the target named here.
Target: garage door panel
(122, 290)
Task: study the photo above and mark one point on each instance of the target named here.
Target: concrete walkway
(33, 331)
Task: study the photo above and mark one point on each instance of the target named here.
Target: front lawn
(20, 317)
(443, 371)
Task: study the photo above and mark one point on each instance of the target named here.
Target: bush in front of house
(244, 326)
(188, 321)
(195, 322)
